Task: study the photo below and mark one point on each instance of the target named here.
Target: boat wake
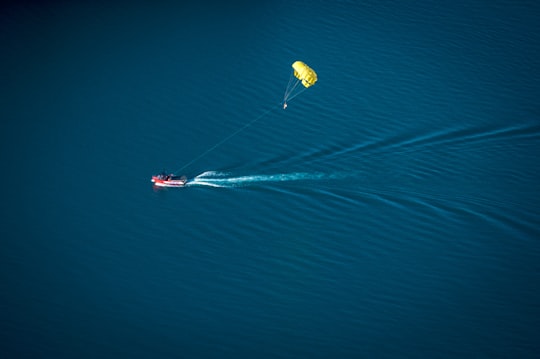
(226, 180)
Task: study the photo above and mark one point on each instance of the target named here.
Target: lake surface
(392, 210)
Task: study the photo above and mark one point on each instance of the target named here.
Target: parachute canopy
(304, 73)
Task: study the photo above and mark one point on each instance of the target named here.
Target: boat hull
(162, 182)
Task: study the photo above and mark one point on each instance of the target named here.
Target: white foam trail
(211, 174)
(202, 183)
(220, 179)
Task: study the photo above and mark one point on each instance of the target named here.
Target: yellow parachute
(304, 75)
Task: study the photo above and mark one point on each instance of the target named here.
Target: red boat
(169, 180)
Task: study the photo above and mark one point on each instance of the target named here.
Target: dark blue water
(392, 210)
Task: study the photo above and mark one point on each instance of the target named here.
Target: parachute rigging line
(289, 97)
(305, 75)
(228, 137)
(289, 89)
